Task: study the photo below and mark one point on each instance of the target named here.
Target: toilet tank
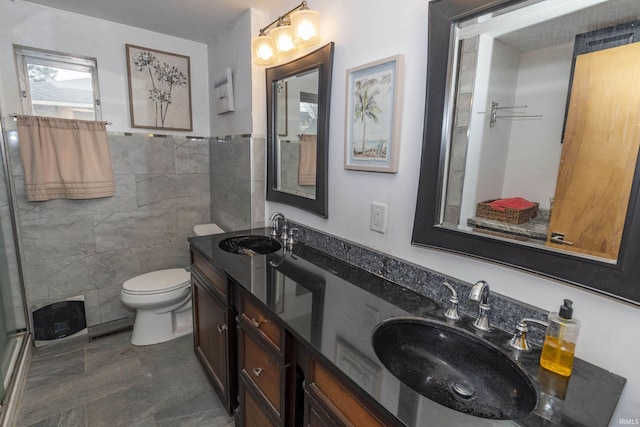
(207, 229)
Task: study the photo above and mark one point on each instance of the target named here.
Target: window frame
(25, 55)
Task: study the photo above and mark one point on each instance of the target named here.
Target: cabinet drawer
(215, 276)
(252, 413)
(339, 400)
(263, 368)
(257, 319)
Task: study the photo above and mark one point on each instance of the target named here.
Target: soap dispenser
(560, 340)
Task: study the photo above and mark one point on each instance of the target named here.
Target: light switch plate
(378, 217)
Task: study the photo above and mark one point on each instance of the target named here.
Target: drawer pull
(257, 371)
(257, 323)
(221, 327)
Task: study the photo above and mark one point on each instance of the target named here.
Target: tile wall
(289, 165)
(238, 182)
(458, 155)
(90, 247)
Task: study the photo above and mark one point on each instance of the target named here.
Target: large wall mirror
(298, 101)
(530, 153)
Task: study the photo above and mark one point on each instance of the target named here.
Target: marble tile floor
(110, 382)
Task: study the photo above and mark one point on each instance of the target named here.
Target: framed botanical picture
(372, 134)
(159, 89)
(223, 91)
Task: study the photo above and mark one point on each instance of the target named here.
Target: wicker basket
(512, 216)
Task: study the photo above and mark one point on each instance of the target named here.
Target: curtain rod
(15, 117)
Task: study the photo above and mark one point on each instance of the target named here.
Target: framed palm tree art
(372, 133)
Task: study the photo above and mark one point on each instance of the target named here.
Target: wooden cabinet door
(600, 152)
(211, 340)
(331, 402)
(316, 414)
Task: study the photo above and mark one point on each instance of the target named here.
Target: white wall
(496, 76)
(229, 49)
(46, 28)
(362, 34)
(534, 150)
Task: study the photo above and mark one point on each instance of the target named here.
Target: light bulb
(263, 50)
(283, 38)
(306, 29)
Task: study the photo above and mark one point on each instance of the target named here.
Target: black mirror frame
(620, 279)
(321, 59)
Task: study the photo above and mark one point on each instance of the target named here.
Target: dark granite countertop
(332, 307)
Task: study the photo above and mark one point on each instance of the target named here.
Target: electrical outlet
(378, 217)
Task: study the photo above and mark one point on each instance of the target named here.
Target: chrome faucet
(452, 311)
(519, 339)
(277, 230)
(480, 292)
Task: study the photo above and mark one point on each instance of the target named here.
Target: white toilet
(162, 300)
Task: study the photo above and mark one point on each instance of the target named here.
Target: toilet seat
(157, 282)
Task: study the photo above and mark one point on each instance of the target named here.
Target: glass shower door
(13, 320)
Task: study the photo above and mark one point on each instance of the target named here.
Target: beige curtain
(65, 159)
(308, 157)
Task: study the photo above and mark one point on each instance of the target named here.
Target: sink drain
(463, 390)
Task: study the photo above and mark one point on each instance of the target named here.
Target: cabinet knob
(255, 322)
(221, 327)
(257, 371)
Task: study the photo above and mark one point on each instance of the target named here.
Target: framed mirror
(530, 154)
(298, 101)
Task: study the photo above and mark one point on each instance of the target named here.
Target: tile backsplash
(505, 312)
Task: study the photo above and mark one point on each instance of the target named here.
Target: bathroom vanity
(286, 340)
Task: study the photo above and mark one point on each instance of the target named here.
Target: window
(58, 85)
(308, 113)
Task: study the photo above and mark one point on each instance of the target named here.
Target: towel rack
(15, 117)
(494, 113)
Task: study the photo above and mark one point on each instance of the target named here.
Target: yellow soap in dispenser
(560, 341)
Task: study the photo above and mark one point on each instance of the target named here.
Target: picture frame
(282, 108)
(159, 89)
(373, 108)
(223, 91)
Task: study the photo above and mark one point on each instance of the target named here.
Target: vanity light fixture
(297, 28)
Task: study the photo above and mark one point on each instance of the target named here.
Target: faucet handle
(290, 241)
(519, 339)
(452, 312)
(274, 226)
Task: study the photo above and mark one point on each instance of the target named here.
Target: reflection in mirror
(296, 132)
(505, 167)
(536, 162)
(297, 296)
(298, 97)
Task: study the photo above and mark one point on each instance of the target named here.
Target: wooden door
(600, 152)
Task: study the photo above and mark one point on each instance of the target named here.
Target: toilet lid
(158, 281)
